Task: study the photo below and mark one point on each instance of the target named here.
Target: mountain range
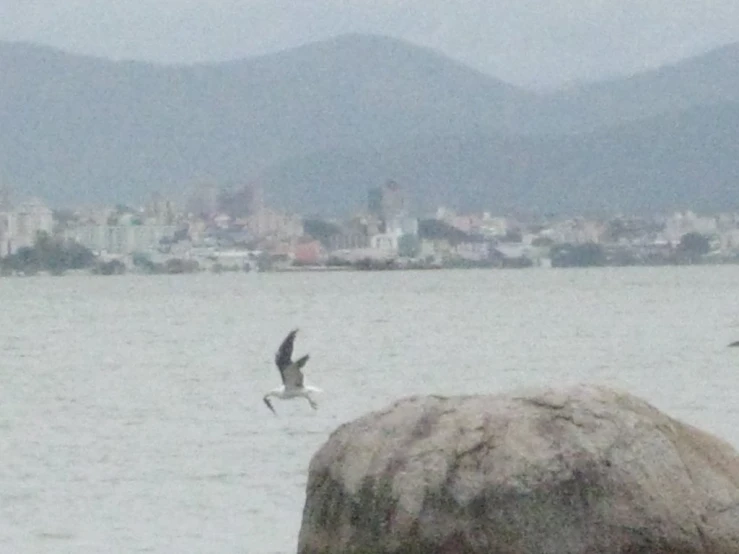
(318, 125)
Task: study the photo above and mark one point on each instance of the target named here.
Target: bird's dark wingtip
(269, 405)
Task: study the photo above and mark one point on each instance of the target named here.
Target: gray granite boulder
(586, 470)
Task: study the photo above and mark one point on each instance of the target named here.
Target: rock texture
(588, 470)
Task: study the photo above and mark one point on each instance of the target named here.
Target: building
(20, 226)
(5, 221)
(161, 210)
(5, 240)
(348, 239)
(120, 239)
(5, 203)
(242, 202)
(402, 225)
(309, 253)
(387, 201)
(385, 242)
(270, 223)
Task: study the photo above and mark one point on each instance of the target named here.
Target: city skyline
(385, 232)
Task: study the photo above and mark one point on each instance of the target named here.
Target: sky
(533, 43)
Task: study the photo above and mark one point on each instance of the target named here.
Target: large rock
(585, 470)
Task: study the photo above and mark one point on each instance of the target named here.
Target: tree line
(53, 254)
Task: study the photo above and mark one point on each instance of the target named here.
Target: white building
(19, 226)
(402, 225)
(120, 239)
(270, 223)
(574, 231)
(385, 242)
(6, 224)
(493, 226)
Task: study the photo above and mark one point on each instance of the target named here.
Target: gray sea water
(131, 417)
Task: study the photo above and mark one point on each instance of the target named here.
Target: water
(131, 417)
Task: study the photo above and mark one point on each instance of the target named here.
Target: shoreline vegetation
(56, 256)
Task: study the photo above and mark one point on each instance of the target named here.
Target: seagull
(292, 375)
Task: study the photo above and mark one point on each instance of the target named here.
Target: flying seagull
(292, 375)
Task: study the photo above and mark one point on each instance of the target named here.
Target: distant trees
(321, 230)
(51, 254)
(409, 246)
(589, 254)
(544, 242)
(512, 235)
(238, 203)
(436, 229)
(143, 263)
(178, 265)
(112, 267)
(693, 246)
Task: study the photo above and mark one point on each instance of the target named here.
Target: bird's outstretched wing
(283, 357)
(292, 375)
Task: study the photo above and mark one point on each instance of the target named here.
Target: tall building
(242, 202)
(387, 202)
(19, 226)
(6, 221)
(270, 223)
(161, 210)
(374, 201)
(5, 242)
(32, 217)
(5, 199)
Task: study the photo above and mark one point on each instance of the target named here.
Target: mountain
(78, 128)
(684, 160)
(711, 78)
(319, 124)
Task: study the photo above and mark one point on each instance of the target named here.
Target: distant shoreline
(335, 269)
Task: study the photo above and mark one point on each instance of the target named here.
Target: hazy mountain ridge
(687, 160)
(319, 124)
(711, 78)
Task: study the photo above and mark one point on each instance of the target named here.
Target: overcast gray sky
(520, 41)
